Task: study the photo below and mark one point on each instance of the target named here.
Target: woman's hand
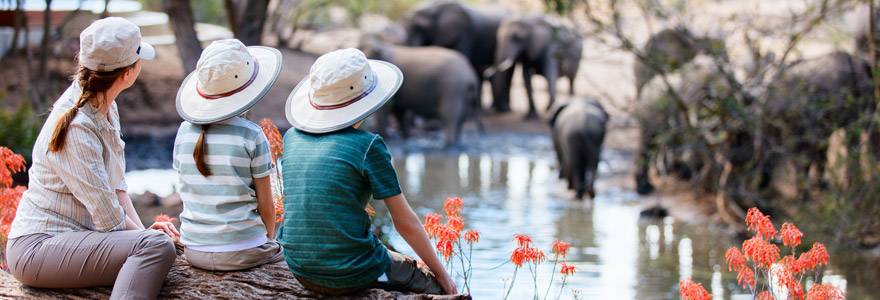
(447, 284)
(168, 229)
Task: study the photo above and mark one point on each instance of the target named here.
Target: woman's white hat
(228, 80)
(112, 43)
(342, 88)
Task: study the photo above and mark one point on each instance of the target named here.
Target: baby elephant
(578, 129)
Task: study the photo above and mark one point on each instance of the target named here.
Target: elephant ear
(540, 39)
(554, 110)
(451, 24)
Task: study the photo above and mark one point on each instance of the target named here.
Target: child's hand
(447, 284)
(168, 229)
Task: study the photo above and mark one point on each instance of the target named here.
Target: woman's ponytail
(199, 152)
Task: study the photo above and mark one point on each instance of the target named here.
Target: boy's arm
(410, 228)
(265, 204)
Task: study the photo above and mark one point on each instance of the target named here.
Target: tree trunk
(40, 82)
(19, 25)
(181, 17)
(246, 18)
(186, 282)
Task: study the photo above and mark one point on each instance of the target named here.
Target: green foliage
(562, 7)
(20, 128)
(204, 11)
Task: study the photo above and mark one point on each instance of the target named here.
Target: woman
(76, 226)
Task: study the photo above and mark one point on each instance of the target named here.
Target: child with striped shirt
(228, 218)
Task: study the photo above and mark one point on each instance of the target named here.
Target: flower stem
(561, 288)
(555, 261)
(512, 280)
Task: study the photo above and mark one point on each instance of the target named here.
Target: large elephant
(438, 83)
(571, 50)
(810, 99)
(578, 129)
(539, 47)
(668, 50)
(468, 30)
(663, 114)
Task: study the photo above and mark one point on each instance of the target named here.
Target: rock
(186, 282)
(172, 200)
(656, 211)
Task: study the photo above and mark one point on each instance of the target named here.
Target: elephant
(541, 48)
(438, 83)
(668, 50)
(578, 130)
(468, 30)
(697, 85)
(570, 55)
(808, 100)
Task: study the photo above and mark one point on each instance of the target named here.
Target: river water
(510, 185)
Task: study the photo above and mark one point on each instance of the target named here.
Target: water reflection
(618, 255)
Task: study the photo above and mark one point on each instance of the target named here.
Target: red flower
(825, 292)
(535, 255)
(472, 236)
(444, 232)
(792, 264)
(761, 251)
(735, 260)
(692, 291)
(815, 257)
(760, 224)
(746, 277)
(455, 222)
(567, 270)
(452, 206)
(560, 247)
(10, 163)
(445, 248)
(765, 295)
(432, 222)
(791, 236)
(276, 145)
(522, 241)
(518, 256)
(422, 264)
(164, 218)
(9, 198)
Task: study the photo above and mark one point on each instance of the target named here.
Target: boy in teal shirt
(331, 170)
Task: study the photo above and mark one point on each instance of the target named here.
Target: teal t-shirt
(328, 181)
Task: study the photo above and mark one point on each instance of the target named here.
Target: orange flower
(815, 257)
(560, 247)
(432, 221)
(735, 260)
(746, 277)
(535, 255)
(518, 256)
(760, 224)
(276, 145)
(422, 264)
(522, 241)
(444, 232)
(370, 210)
(445, 248)
(692, 291)
(792, 264)
(472, 236)
(567, 270)
(455, 222)
(765, 295)
(761, 251)
(10, 163)
(452, 206)
(825, 292)
(9, 199)
(791, 236)
(164, 218)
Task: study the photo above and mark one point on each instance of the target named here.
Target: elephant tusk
(501, 67)
(489, 72)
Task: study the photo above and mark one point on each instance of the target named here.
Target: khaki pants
(134, 262)
(268, 253)
(404, 274)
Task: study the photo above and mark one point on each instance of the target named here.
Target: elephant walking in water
(540, 47)
(578, 130)
(438, 83)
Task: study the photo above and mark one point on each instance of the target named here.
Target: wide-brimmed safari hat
(342, 88)
(112, 43)
(228, 80)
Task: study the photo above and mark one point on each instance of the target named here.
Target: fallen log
(186, 282)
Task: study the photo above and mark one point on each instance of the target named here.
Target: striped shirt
(221, 208)
(328, 181)
(74, 189)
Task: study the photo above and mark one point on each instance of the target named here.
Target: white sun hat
(228, 80)
(112, 43)
(342, 88)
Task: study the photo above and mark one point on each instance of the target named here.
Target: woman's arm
(410, 228)
(131, 215)
(265, 204)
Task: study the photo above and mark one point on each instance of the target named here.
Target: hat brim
(147, 51)
(199, 110)
(303, 116)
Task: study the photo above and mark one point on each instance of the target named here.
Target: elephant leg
(453, 114)
(403, 122)
(578, 162)
(592, 157)
(382, 121)
(571, 85)
(527, 80)
(551, 72)
(556, 146)
(501, 83)
(643, 158)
